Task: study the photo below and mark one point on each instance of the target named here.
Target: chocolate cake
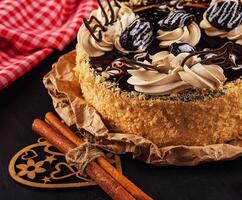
(169, 71)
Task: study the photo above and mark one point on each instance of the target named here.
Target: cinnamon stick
(59, 141)
(125, 182)
(100, 176)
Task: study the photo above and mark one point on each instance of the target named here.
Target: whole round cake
(169, 71)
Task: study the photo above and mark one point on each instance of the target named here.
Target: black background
(27, 99)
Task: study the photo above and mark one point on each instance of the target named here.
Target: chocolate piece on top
(137, 36)
(177, 48)
(225, 15)
(221, 56)
(129, 63)
(92, 30)
(117, 3)
(175, 19)
(99, 26)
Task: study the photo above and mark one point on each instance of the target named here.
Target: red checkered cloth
(31, 29)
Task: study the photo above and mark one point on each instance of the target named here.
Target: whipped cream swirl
(124, 16)
(178, 26)
(229, 8)
(175, 77)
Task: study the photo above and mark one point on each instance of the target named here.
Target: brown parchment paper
(64, 89)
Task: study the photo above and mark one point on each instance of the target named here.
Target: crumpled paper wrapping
(64, 89)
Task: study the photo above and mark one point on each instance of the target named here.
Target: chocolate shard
(221, 56)
(99, 25)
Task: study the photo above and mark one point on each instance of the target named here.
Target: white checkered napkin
(31, 30)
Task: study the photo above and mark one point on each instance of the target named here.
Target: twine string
(82, 155)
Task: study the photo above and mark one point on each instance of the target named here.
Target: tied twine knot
(82, 155)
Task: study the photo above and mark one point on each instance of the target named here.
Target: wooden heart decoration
(43, 166)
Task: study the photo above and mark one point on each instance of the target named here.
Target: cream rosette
(123, 17)
(190, 34)
(172, 77)
(234, 34)
(178, 26)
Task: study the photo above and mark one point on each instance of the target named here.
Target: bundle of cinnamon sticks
(116, 185)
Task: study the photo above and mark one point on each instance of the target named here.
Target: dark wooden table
(27, 99)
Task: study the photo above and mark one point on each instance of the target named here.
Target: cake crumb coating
(210, 120)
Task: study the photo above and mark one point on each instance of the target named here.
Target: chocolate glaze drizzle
(99, 25)
(225, 15)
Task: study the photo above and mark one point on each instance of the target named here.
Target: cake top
(163, 47)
